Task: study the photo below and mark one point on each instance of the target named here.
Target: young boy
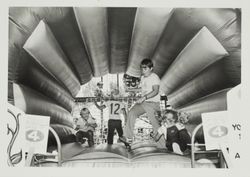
(149, 102)
(115, 108)
(85, 127)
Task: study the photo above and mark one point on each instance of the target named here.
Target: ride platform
(142, 154)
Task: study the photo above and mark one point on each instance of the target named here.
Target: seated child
(85, 127)
(176, 135)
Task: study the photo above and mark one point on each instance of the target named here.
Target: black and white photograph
(114, 86)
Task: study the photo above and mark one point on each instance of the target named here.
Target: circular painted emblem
(34, 135)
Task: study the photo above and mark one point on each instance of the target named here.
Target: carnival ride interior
(53, 51)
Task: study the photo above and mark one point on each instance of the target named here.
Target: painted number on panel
(218, 131)
(34, 135)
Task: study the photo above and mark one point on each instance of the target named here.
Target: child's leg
(133, 114)
(111, 129)
(119, 128)
(90, 136)
(151, 108)
(79, 136)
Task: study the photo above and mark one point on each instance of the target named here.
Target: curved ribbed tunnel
(54, 50)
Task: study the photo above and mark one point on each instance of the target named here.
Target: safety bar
(59, 146)
(192, 144)
(224, 154)
(31, 155)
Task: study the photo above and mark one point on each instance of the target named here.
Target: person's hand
(94, 125)
(77, 127)
(75, 120)
(141, 100)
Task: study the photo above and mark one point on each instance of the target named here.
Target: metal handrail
(225, 158)
(59, 146)
(192, 144)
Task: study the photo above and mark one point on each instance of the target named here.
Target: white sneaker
(176, 149)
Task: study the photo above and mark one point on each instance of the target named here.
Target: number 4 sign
(36, 133)
(215, 127)
(218, 131)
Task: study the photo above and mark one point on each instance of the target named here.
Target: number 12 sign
(36, 133)
(215, 127)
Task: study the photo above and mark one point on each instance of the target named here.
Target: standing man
(149, 102)
(85, 127)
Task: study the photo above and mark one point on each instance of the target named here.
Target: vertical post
(102, 133)
(59, 146)
(30, 157)
(193, 145)
(117, 82)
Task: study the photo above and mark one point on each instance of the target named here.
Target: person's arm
(101, 107)
(94, 125)
(153, 93)
(92, 122)
(124, 113)
(75, 124)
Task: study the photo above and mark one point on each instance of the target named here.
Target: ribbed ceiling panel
(148, 28)
(211, 103)
(203, 50)
(69, 38)
(93, 25)
(32, 102)
(214, 78)
(43, 82)
(43, 47)
(121, 23)
(186, 22)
